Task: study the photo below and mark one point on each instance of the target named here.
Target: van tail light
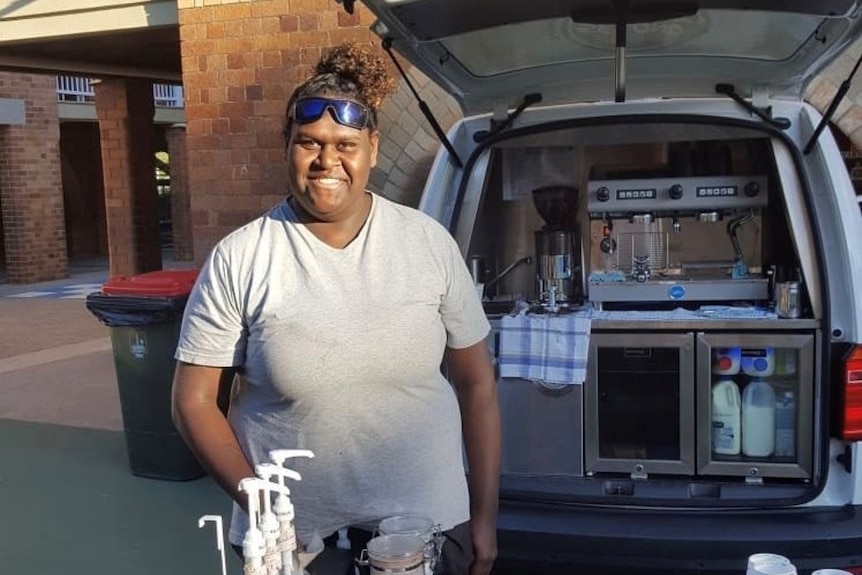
(852, 428)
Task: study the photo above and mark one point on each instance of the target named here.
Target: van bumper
(544, 538)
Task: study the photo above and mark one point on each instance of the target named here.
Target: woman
(336, 309)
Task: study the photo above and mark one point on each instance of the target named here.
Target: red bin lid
(162, 283)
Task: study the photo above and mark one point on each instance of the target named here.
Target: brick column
(181, 217)
(31, 190)
(125, 110)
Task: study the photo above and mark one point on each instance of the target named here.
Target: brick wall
(241, 60)
(31, 192)
(821, 91)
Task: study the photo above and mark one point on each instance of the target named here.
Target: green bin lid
(162, 283)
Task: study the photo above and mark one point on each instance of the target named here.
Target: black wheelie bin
(144, 313)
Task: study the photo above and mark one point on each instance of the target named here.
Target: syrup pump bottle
(258, 546)
(284, 510)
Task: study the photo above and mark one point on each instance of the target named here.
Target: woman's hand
(484, 546)
(472, 374)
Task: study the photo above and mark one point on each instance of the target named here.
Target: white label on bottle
(724, 438)
(287, 539)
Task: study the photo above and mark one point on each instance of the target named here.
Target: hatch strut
(426, 111)
(620, 53)
(730, 91)
(833, 105)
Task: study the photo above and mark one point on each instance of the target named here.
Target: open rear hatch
(493, 54)
(704, 202)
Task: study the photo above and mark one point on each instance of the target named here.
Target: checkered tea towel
(546, 348)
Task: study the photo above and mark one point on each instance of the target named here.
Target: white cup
(769, 564)
(831, 572)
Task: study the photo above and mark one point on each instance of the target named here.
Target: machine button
(675, 192)
(752, 189)
(603, 194)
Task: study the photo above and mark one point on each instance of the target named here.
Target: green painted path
(70, 506)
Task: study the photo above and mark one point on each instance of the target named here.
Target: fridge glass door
(755, 404)
(639, 404)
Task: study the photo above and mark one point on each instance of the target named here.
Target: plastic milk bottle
(758, 419)
(726, 417)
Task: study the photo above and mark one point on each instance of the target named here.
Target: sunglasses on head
(345, 112)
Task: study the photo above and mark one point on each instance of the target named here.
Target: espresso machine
(665, 239)
(559, 260)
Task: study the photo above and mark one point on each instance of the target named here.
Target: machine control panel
(676, 195)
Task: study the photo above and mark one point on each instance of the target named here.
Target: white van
(641, 183)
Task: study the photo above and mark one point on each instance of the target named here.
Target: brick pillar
(181, 216)
(31, 190)
(125, 110)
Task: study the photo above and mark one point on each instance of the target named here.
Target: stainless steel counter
(705, 324)
(694, 324)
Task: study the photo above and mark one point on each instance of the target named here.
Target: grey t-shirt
(340, 353)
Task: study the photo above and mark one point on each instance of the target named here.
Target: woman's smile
(327, 182)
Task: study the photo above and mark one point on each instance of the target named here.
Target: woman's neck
(339, 233)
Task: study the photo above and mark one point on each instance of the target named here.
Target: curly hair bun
(361, 67)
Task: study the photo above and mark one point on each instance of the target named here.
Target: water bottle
(785, 424)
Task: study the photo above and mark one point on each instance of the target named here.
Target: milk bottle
(726, 360)
(758, 419)
(758, 362)
(726, 417)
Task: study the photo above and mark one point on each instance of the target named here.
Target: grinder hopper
(558, 259)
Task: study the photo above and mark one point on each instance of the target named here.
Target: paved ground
(70, 503)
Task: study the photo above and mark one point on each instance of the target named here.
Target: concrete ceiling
(92, 37)
(152, 53)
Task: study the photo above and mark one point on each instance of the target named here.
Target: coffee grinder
(558, 247)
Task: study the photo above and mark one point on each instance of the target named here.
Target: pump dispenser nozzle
(283, 507)
(279, 456)
(269, 523)
(253, 544)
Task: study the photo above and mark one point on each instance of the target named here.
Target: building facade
(75, 187)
